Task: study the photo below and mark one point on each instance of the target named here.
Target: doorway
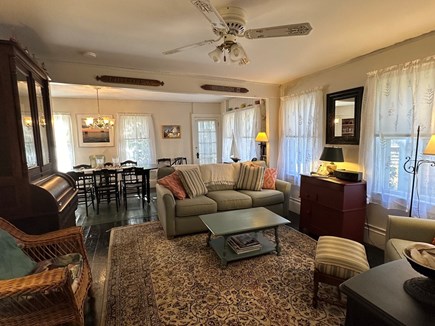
(206, 138)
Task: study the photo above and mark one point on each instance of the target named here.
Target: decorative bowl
(422, 269)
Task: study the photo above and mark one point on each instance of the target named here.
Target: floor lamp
(429, 150)
(262, 139)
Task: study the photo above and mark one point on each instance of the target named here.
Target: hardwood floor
(97, 236)
(96, 229)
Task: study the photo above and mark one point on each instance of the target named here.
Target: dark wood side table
(377, 297)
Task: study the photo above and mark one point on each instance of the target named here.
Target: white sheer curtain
(64, 141)
(397, 100)
(245, 124)
(136, 138)
(301, 119)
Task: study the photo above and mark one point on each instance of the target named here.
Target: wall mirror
(343, 116)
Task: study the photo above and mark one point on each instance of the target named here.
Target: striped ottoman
(337, 259)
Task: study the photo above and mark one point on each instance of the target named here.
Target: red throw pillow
(270, 175)
(173, 183)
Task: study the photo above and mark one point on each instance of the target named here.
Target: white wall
(164, 113)
(353, 74)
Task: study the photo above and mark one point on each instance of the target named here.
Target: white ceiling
(134, 33)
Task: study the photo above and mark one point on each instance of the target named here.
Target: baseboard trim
(374, 235)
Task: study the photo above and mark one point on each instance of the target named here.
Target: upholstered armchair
(52, 296)
(402, 231)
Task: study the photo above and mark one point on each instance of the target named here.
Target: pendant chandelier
(100, 122)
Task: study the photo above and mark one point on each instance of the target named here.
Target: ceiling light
(100, 122)
(216, 55)
(238, 54)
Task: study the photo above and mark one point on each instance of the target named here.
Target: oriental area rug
(155, 281)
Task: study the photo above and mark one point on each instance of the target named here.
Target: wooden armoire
(34, 196)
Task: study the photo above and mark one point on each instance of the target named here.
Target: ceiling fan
(228, 24)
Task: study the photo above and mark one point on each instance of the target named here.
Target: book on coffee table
(243, 243)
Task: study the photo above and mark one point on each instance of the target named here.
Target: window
(244, 124)
(300, 134)
(398, 100)
(64, 142)
(136, 138)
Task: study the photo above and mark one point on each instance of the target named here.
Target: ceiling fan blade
(190, 46)
(277, 31)
(212, 15)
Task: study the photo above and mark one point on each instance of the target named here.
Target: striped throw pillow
(250, 177)
(192, 182)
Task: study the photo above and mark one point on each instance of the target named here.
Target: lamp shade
(262, 137)
(430, 148)
(332, 154)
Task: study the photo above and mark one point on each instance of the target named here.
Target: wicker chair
(45, 298)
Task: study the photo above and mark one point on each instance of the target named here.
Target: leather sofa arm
(409, 228)
(166, 210)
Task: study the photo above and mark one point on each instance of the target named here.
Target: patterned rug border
(326, 314)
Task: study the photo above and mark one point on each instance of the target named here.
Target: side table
(377, 297)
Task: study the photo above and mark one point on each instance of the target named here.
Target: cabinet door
(26, 119)
(42, 122)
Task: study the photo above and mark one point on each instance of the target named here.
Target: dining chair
(85, 188)
(128, 163)
(133, 184)
(108, 164)
(179, 160)
(164, 161)
(82, 166)
(106, 186)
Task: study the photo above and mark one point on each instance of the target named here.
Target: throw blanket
(219, 176)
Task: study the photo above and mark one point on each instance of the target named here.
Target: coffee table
(225, 224)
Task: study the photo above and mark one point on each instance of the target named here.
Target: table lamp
(332, 154)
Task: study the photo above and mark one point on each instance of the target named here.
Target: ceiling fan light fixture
(216, 55)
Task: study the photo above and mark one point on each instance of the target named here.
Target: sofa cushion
(251, 177)
(192, 182)
(265, 197)
(14, 262)
(195, 206)
(173, 183)
(270, 175)
(230, 199)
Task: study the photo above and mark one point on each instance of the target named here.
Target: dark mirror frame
(357, 94)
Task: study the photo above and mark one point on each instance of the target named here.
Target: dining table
(146, 170)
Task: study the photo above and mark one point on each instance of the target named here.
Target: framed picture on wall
(171, 131)
(93, 136)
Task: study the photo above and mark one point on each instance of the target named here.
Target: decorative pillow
(173, 183)
(14, 262)
(73, 261)
(270, 175)
(250, 177)
(192, 182)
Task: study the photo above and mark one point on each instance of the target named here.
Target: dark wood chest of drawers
(330, 206)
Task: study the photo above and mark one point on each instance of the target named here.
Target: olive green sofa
(179, 217)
